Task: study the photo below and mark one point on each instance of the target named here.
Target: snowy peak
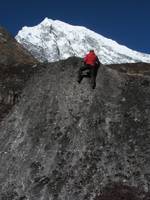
(47, 22)
(53, 40)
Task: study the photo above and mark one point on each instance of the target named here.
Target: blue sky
(125, 21)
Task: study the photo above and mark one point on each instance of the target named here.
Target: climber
(91, 63)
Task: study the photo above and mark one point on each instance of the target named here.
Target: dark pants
(91, 72)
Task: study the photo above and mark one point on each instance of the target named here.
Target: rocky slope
(63, 140)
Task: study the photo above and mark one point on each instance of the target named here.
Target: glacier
(54, 40)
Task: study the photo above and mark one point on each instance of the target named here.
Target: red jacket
(90, 58)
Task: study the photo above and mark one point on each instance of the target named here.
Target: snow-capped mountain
(53, 40)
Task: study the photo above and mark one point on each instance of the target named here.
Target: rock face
(64, 141)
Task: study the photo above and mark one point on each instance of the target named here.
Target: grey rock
(65, 141)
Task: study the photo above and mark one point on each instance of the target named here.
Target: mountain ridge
(53, 40)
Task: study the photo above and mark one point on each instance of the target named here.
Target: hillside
(16, 66)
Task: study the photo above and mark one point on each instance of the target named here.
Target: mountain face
(53, 40)
(63, 140)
